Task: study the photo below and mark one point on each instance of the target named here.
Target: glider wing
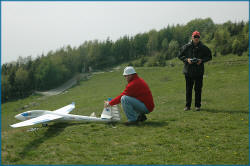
(40, 119)
(67, 109)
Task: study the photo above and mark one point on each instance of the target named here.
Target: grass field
(218, 134)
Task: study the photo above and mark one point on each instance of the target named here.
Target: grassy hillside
(219, 134)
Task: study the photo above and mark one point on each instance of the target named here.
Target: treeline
(153, 48)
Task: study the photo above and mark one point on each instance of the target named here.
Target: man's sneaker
(197, 108)
(186, 108)
(141, 118)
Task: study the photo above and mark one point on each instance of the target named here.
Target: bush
(246, 53)
(139, 62)
(152, 61)
(160, 59)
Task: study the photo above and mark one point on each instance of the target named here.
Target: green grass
(219, 134)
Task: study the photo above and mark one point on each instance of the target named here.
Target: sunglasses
(196, 36)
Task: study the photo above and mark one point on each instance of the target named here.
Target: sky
(35, 28)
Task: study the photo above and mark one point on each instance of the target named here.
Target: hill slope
(219, 134)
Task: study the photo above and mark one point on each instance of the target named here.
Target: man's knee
(124, 99)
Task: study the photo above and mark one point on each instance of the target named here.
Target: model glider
(110, 114)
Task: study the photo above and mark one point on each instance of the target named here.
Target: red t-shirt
(138, 89)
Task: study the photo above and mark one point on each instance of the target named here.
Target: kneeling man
(136, 99)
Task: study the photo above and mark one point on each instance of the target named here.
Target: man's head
(128, 73)
(196, 37)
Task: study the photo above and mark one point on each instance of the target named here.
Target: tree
(51, 73)
(51, 70)
(222, 41)
(178, 34)
(152, 44)
(139, 43)
(22, 83)
(173, 49)
(83, 60)
(204, 26)
(166, 33)
(11, 81)
(5, 88)
(164, 45)
(236, 47)
(121, 50)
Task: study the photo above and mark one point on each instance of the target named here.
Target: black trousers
(197, 83)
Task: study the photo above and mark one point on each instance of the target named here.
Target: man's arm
(208, 55)
(182, 54)
(128, 91)
(182, 57)
(131, 90)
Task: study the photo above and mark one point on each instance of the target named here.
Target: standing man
(136, 99)
(194, 55)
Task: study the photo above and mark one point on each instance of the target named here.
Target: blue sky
(34, 28)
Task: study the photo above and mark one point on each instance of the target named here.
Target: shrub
(152, 61)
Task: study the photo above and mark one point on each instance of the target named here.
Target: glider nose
(20, 117)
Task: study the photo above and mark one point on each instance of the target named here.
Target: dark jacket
(190, 51)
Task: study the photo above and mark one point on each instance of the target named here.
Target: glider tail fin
(112, 113)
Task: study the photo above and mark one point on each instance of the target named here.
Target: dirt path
(71, 82)
(64, 86)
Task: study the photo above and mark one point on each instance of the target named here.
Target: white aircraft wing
(65, 110)
(40, 119)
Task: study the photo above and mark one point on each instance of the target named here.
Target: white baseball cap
(129, 70)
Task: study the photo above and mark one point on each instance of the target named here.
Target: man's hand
(106, 104)
(189, 61)
(199, 62)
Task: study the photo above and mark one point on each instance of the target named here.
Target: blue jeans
(133, 107)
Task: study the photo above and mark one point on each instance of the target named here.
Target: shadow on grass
(154, 123)
(226, 111)
(52, 131)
